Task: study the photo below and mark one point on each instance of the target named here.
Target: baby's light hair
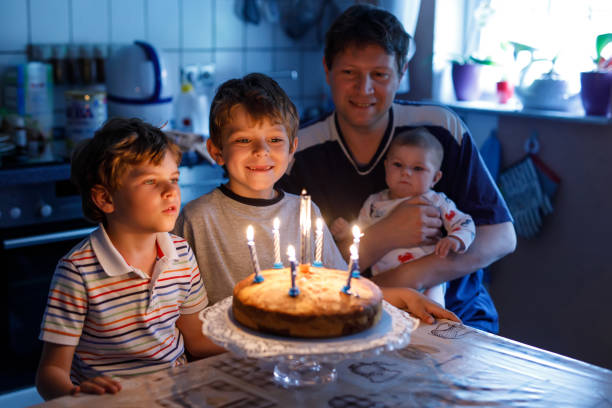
(423, 138)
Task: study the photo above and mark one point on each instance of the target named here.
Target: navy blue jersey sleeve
(466, 180)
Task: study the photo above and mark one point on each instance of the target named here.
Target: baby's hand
(447, 244)
(97, 385)
(340, 229)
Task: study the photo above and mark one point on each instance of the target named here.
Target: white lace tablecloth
(392, 332)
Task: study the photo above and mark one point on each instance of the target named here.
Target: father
(340, 163)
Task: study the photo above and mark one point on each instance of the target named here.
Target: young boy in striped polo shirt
(125, 300)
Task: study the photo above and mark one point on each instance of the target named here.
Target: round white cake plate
(303, 362)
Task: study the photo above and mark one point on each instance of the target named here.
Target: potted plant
(596, 85)
(466, 77)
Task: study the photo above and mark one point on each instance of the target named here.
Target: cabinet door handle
(46, 238)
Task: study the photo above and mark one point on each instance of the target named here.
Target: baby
(412, 169)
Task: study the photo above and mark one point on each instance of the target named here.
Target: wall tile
(171, 58)
(288, 61)
(198, 58)
(127, 21)
(197, 24)
(259, 35)
(281, 39)
(49, 21)
(163, 23)
(14, 23)
(259, 61)
(90, 21)
(229, 29)
(228, 66)
(314, 75)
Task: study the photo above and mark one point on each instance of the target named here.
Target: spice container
(58, 62)
(87, 64)
(100, 53)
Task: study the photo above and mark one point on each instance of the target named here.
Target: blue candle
(293, 291)
(353, 271)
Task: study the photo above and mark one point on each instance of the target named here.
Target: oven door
(29, 257)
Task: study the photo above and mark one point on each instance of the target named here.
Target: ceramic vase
(466, 81)
(596, 90)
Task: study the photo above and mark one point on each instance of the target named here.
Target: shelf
(515, 109)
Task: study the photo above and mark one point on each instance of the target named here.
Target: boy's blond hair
(103, 159)
(260, 96)
(423, 138)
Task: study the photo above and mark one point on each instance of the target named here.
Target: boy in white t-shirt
(412, 169)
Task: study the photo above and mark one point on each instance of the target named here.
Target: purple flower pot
(466, 81)
(596, 92)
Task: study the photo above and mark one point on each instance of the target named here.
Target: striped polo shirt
(122, 321)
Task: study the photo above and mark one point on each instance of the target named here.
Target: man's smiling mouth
(363, 105)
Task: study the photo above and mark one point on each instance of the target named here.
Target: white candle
(305, 226)
(277, 255)
(250, 233)
(319, 242)
(356, 235)
(293, 291)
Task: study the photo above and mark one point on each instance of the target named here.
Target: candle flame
(319, 223)
(276, 223)
(250, 233)
(356, 232)
(303, 191)
(291, 252)
(354, 254)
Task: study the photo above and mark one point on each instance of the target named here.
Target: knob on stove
(15, 212)
(45, 210)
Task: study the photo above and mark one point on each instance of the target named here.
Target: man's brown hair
(361, 25)
(103, 159)
(260, 96)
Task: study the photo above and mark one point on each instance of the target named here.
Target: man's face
(363, 82)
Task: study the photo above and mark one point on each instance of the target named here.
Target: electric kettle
(137, 84)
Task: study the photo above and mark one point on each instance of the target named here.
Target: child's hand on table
(417, 304)
(97, 385)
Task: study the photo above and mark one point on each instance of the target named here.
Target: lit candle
(319, 243)
(354, 269)
(277, 257)
(293, 291)
(250, 236)
(356, 235)
(305, 226)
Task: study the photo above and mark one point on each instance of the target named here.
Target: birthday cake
(321, 309)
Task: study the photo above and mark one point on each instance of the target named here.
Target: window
(558, 29)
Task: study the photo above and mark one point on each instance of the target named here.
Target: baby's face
(410, 171)
(255, 154)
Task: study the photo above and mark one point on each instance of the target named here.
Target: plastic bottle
(191, 111)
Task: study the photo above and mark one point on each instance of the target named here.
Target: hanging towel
(529, 187)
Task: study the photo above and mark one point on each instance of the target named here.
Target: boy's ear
(436, 178)
(401, 74)
(102, 199)
(294, 145)
(214, 152)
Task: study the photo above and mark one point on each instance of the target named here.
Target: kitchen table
(445, 364)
